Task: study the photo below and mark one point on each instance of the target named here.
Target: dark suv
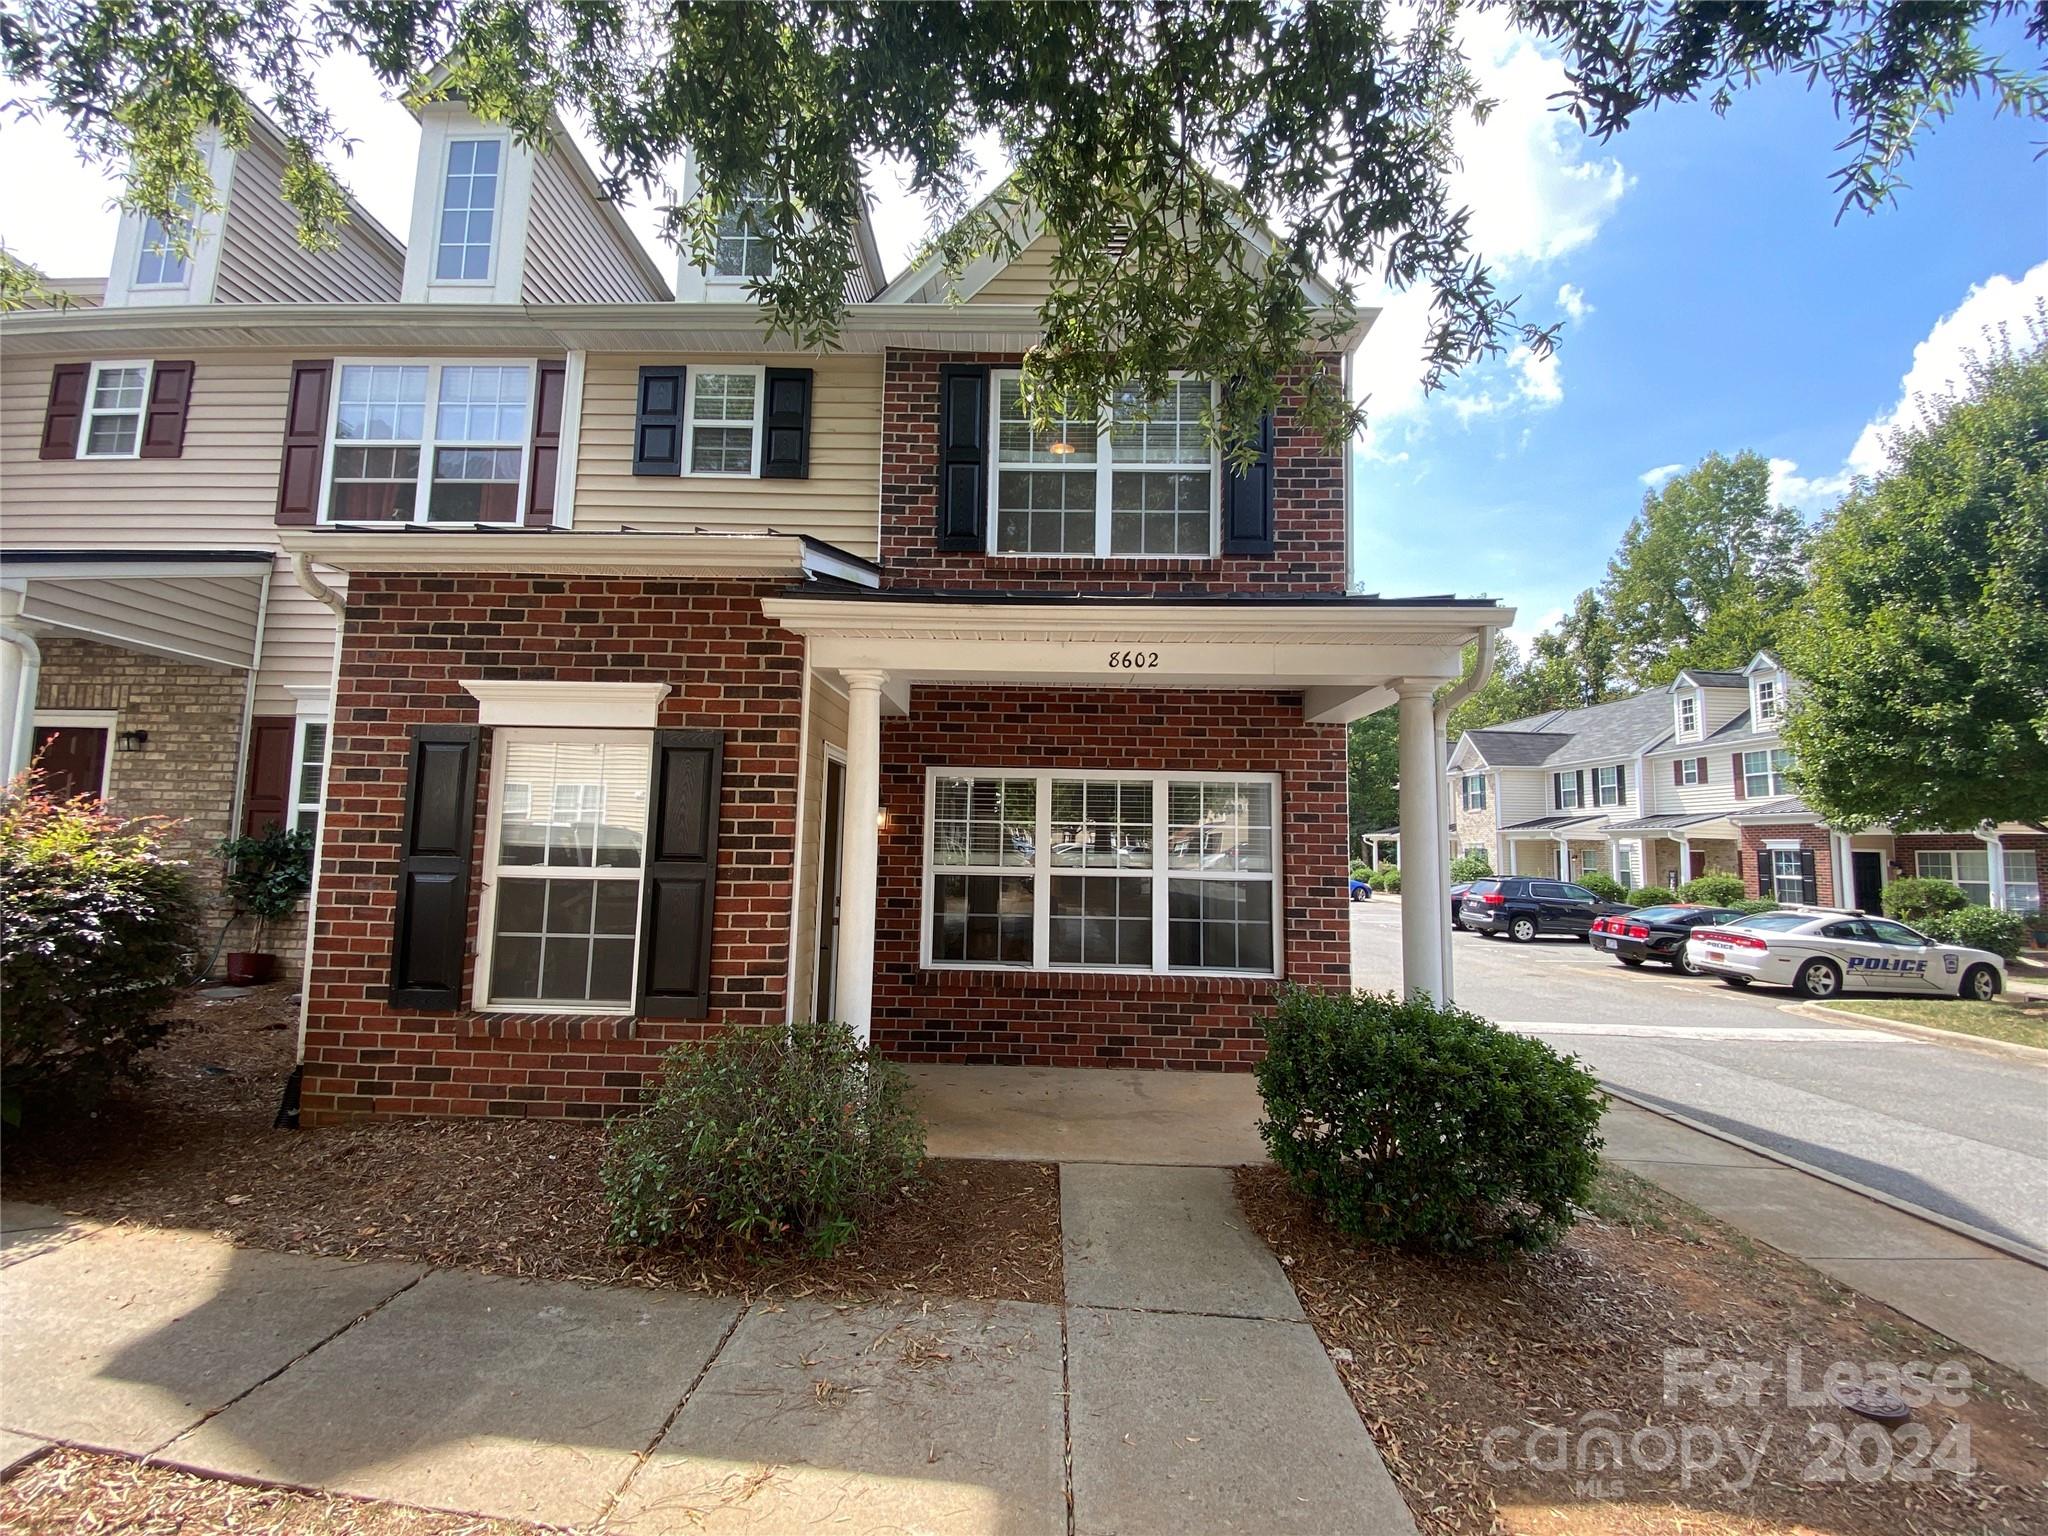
(1522, 906)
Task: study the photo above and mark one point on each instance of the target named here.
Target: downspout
(249, 706)
(1482, 670)
(328, 598)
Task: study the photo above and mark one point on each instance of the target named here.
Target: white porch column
(1684, 859)
(1994, 855)
(1440, 849)
(1422, 897)
(21, 668)
(860, 853)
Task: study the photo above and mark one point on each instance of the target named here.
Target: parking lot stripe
(1762, 1032)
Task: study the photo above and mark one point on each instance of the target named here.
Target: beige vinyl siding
(262, 262)
(1521, 794)
(840, 502)
(825, 727)
(572, 250)
(1026, 280)
(222, 494)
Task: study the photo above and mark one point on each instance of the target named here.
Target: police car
(1826, 951)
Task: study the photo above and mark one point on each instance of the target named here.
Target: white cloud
(1789, 488)
(1655, 478)
(1536, 377)
(1524, 631)
(1571, 298)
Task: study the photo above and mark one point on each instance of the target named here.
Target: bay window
(1766, 774)
(442, 442)
(1141, 482)
(1112, 871)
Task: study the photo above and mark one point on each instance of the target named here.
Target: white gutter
(327, 597)
(318, 590)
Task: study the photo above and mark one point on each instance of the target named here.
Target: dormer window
(1688, 715)
(469, 211)
(1770, 703)
(743, 248)
(161, 264)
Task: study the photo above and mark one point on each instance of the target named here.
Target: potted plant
(267, 877)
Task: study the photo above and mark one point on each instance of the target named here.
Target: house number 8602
(1121, 659)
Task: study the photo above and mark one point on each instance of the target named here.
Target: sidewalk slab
(1201, 1426)
(1636, 1136)
(1096, 1115)
(1166, 1239)
(122, 1341)
(20, 1216)
(1997, 1306)
(477, 1393)
(940, 1418)
(28, 1231)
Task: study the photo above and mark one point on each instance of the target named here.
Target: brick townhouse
(643, 677)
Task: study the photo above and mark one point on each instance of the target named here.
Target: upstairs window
(114, 398)
(469, 211)
(1766, 773)
(1472, 791)
(1769, 703)
(1141, 482)
(1607, 786)
(1688, 714)
(161, 264)
(723, 427)
(743, 246)
(392, 459)
(1567, 790)
(1692, 770)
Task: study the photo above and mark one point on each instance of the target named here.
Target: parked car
(1361, 890)
(1522, 906)
(1657, 933)
(1457, 900)
(1825, 951)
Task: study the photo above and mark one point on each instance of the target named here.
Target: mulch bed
(192, 1146)
(1438, 1353)
(78, 1493)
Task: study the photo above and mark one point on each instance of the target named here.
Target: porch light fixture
(131, 741)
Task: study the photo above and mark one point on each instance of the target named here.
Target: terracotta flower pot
(250, 970)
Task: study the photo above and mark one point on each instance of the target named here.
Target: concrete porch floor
(1090, 1115)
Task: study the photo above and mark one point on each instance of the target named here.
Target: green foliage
(1924, 651)
(1915, 899)
(1473, 864)
(1602, 884)
(97, 930)
(1360, 870)
(1714, 890)
(2003, 933)
(1651, 896)
(267, 877)
(763, 1137)
(1749, 906)
(1387, 878)
(1426, 1127)
(1374, 766)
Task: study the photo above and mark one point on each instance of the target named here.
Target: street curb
(2004, 1245)
(2027, 1053)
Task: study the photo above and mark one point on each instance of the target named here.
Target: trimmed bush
(98, 932)
(1471, 866)
(1749, 906)
(1651, 896)
(763, 1138)
(1716, 890)
(1601, 884)
(1360, 870)
(1386, 878)
(2003, 933)
(1915, 900)
(1426, 1127)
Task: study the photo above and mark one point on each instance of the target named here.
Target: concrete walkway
(1178, 1391)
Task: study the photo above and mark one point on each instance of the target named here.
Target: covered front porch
(1669, 850)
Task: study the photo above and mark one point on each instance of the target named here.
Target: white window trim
(1041, 871)
(1777, 781)
(92, 386)
(1105, 469)
(1688, 731)
(1629, 850)
(1951, 861)
(547, 705)
(489, 872)
(85, 720)
(428, 442)
(203, 261)
(1562, 784)
(700, 371)
(490, 277)
(1756, 701)
(1601, 785)
(2016, 882)
(188, 259)
(1689, 772)
(1466, 798)
(740, 281)
(312, 706)
(1798, 870)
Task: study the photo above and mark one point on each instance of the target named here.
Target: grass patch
(2014, 1019)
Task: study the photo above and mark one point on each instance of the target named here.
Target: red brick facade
(1755, 859)
(1308, 497)
(409, 642)
(1035, 1018)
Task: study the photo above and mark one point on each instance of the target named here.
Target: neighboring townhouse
(685, 681)
(1694, 778)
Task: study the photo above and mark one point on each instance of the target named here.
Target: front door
(824, 998)
(73, 759)
(1699, 864)
(1866, 874)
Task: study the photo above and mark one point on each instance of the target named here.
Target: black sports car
(1655, 933)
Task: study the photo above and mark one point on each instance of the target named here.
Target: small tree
(267, 877)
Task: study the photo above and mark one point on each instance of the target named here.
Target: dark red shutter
(266, 796)
(682, 875)
(65, 413)
(963, 457)
(1741, 788)
(1705, 777)
(658, 422)
(163, 423)
(431, 932)
(549, 389)
(1248, 500)
(1678, 771)
(305, 443)
(786, 454)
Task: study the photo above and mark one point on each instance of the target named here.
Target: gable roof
(1515, 749)
(1704, 677)
(1609, 732)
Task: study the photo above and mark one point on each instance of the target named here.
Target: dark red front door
(73, 759)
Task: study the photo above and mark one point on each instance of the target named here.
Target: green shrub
(1915, 900)
(1715, 890)
(267, 877)
(1601, 884)
(1386, 878)
(1426, 1127)
(1974, 927)
(1651, 896)
(763, 1137)
(1472, 865)
(1360, 870)
(97, 936)
(1749, 906)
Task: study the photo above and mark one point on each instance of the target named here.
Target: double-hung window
(114, 398)
(1766, 773)
(1472, 791)
(469, 210)
(742, 246)
(2022, 880)
(1567, 790)
(1688, 715)
(1692, 770)
(723, 425)
(1103, 872)
(1607, 786)
(568, 830)
(1141, 482)
(1768, 704)
(429, 442)
(160, 264)
(1788, 875)
(309, 767)
(1968, 868)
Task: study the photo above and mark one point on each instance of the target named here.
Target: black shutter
(1621, 784)
(1248, 500)
(1557, 791)
(65, 413)
(1809, 878)
(787, 421)
(1578, 789)
(658, 422)
(963, 457)
(432, 928)
(163, 422)
(682, 874)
